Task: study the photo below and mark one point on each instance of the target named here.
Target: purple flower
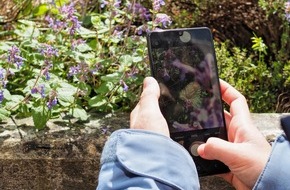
(117, 33)
(75, 43)
(45, 71)
(82, 71)
(3, 77)
(74, 70)
(162, 19)
(2, 73)
(40, 89)
(48, 51)
(132, 73)
(52, 102)
(55, 25)
(14, 57)
(141, 29)
(117, 3)
(68, 20)
(125, 86)
(75, 24)
(1, 96)
(68, 10)
(140, 11)
(157, 4)
(104, 3)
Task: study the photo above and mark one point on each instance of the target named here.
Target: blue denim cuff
(277, 171)
(151, 155)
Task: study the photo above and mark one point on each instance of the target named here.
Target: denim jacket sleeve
(138, 159)
(276, 174)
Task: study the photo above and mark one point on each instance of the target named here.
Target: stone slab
(66, 154)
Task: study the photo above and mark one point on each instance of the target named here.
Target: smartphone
(183, 62)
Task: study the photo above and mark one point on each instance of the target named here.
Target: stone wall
(66, 154)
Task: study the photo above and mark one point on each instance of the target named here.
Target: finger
(216, 149)
(134, 115)
(227, 176)
(150, 95)
(237, 102)
(228, 118)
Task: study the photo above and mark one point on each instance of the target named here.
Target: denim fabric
(276, 174)
(138, 159)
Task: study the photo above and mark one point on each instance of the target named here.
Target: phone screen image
(184, 64)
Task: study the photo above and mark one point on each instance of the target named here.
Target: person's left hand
(147, 115)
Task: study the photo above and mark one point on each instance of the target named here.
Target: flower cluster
(1, 95)
(141, 12)
(48, 51)
(157, 4)
(55, 25)
(52, 99)
(115, 3)
(39, 89)
(162, 19)
(14, 57)
(68, 11)
(68, 21)
(3, 80)
(82, 71)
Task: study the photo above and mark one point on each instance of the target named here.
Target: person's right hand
(247, 151)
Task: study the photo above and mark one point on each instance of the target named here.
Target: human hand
(247, 151)
(147, 115)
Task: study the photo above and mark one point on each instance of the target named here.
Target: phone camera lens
(180, 33)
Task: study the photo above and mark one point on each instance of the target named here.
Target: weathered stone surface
(66, 155)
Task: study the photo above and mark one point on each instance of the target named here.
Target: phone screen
(184, 64)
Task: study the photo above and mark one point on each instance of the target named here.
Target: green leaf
(27, 22)
(41, 10)
(79, 113)
(98, 101)
(4, 114)
(40, 116)
(83, 48)
(86, 33)
(7, 94)
(66, 89)
(65, 100)
(28, 32)
(60, 3)
(137, 59)
(105, 87)
(96, 21)
(114, 77)
(126, 61)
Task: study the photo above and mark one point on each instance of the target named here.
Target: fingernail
(147, 82)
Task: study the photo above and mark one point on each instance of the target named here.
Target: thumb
(218, 149)
(151, 92)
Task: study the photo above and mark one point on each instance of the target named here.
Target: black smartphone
(183, 62)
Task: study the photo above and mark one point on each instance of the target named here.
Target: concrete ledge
(66, 154)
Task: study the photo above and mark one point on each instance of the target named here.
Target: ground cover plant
(67, 58)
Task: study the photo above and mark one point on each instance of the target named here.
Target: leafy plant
(55, 65)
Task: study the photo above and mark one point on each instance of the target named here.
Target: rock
(66, 155)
